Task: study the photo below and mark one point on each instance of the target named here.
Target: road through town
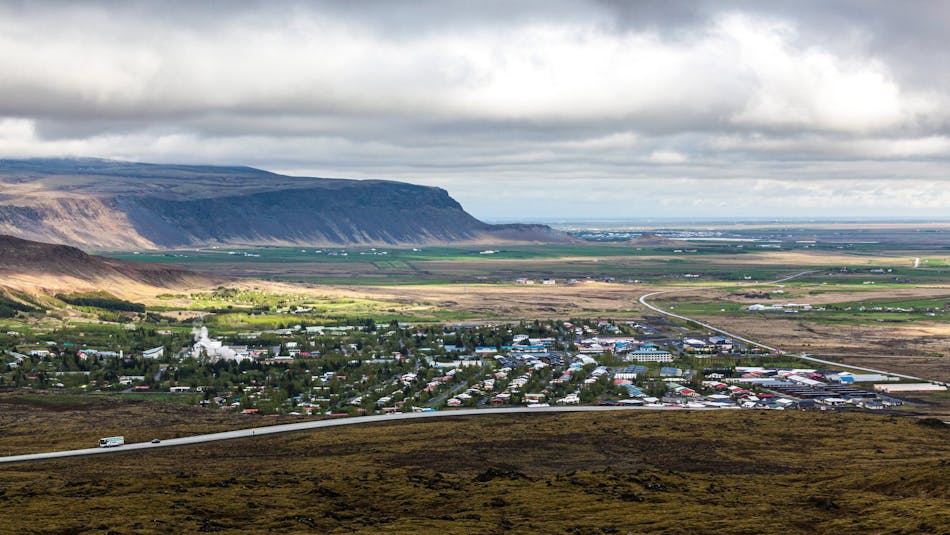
(803, 356)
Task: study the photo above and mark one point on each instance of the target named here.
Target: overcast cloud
(547, 110)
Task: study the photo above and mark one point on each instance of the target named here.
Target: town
(368, 368)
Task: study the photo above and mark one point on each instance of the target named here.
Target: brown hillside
(654, 240)
(30, 266)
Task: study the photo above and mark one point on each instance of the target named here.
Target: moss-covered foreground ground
(628, 472)
(35, 423)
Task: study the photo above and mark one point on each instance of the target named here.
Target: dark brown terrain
(626, 472)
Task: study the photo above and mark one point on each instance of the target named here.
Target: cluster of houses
(745, 388)
(807, 387)
(633, 350)
(560, 363)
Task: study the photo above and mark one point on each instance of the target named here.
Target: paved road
(302, 426)
(803, 356)
(446, 395)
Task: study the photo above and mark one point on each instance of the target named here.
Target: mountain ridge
(108, 205)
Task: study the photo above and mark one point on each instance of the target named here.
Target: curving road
(302, 426)
(803, 356)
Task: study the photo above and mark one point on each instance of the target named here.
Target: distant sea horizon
(616, 222)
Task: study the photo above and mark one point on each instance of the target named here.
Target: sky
(550, 110)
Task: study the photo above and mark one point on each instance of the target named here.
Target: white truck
(111, 442)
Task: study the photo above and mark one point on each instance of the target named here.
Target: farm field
(472, 283)
(650, 263)
(683, 472)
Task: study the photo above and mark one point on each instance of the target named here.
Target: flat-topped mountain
(105, 204)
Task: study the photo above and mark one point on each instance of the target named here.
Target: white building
(649, 355)
(910, 387)
(154, 353)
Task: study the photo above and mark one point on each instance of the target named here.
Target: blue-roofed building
(670, 372)
(631, 372)
(622, 346)
(634, 391)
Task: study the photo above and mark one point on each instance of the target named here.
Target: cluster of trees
(101, 300)
(9, 307)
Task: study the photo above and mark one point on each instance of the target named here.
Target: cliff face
(359, 213)
(90, 222)
(114, 205)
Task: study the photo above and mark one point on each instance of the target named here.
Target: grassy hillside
(631, 472)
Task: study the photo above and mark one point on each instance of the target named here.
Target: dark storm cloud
(585, 94)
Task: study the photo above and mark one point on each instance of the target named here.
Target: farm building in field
(845, 377)
(910, 387)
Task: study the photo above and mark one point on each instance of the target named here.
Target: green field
(716, 261)
(441, 265)
(365, 254)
